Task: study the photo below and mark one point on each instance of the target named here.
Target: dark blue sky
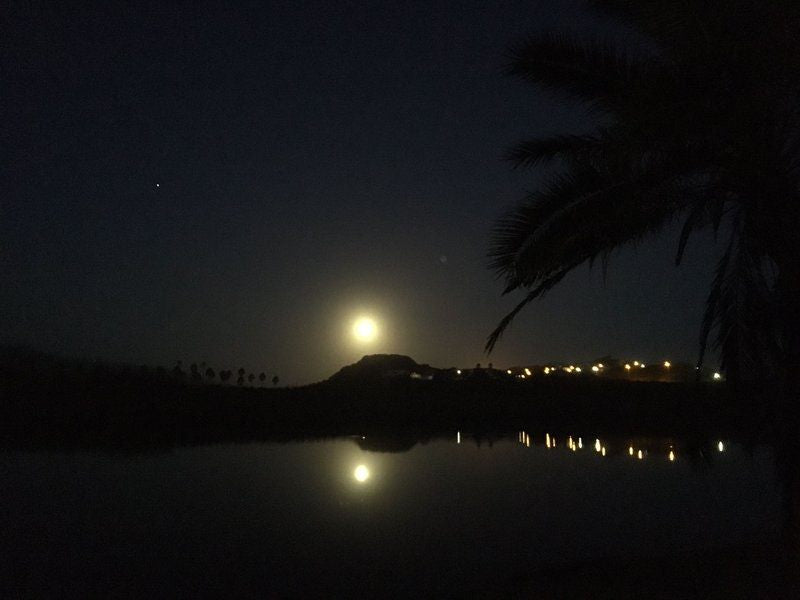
(235, 183)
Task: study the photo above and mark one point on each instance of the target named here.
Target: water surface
(446, 517)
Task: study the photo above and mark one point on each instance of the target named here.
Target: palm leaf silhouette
(695, 122)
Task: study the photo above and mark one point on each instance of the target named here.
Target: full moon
(365, 329)
(361, 473)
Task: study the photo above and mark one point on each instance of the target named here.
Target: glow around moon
(361, 473)
(365, 329)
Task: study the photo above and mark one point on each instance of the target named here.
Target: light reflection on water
(440, 517)
(640, 450)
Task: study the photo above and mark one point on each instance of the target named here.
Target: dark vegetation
(51, 403)
(696, 120)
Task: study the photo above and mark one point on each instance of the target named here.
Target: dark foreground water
(324, 518)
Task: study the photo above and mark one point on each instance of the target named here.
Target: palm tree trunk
(787, 414)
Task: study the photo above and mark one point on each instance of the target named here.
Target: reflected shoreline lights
(524, 438)
(641, 451)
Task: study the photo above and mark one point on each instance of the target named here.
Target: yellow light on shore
(671, 456)
(600, 365)
(508, 371)
(527, 371)
(547, 439)
(717, 376)
(639, 455)
(547, 370)
(577, 369)
(721, 446)
(627, 367)
(636, 363)
(630, 450)
(597, 445)
(603, 451)
(458, 371)
(595, 368)
(667, 364)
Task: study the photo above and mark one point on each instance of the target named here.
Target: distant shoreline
(106, 410)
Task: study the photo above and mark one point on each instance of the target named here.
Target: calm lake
(445, 517)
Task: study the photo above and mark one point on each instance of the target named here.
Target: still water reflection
(445, 517)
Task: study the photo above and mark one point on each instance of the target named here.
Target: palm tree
(275, 380)
(699, 121)
(177, 371)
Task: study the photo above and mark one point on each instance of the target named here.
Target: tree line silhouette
(203, 372)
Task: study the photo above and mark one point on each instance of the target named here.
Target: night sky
(235, 184)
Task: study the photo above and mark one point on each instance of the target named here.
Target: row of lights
(636, 363)
(600, 366)
(550, 442)
(595, 369)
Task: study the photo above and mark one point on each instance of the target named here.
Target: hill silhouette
(374, 367)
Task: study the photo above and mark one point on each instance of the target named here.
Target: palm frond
(594, 72)
(512, 232)
(586, 219)
(534, 152)
(587, 228)
(667, 22)
(712, 302)
(740, 307)
(707, 210)
(540, 290)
